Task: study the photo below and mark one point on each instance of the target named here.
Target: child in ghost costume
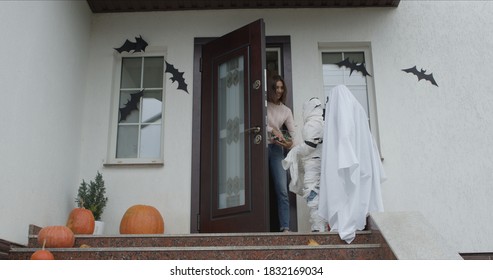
(304, 161)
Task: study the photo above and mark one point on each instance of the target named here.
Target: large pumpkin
(142, 219)
(56, 237)
(81, 221)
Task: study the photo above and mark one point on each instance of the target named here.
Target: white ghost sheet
(351, 172)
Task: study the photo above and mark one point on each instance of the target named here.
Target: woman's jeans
(280, 179)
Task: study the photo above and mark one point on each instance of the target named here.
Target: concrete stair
(368, 245)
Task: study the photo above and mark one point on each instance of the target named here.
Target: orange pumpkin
(56, 237)
(42, 254)
(81, 221)
(142, 219)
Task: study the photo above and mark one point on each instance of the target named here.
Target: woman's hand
(277, 136)
(287, 144)
(279, 139)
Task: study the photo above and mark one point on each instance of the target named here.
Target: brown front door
(234, 192)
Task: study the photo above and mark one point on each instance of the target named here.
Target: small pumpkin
(142, 219)
(42, 254)
(81, 221)
(56, 237)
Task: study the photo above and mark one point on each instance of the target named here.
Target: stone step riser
(213, 240)
(356, 252)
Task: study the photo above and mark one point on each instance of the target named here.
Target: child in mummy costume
(304, 161)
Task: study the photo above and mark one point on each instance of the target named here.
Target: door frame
(284, 42)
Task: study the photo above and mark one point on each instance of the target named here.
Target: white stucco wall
(42, 78)
(434, 139)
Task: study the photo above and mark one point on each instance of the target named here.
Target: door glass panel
(231, 144)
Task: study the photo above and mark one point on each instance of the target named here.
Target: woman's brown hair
(272, 91)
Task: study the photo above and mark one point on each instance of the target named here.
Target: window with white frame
(335, 75)
(138, 117)
(360, 85)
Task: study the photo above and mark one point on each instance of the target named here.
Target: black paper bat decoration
(421, 75)
(176, 76)
(353, 66)
(138, 46)
(132, 104)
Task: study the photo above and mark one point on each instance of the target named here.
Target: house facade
(64, 86)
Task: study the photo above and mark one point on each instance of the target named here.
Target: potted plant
(92, 196)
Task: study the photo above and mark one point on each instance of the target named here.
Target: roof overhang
(119, 6)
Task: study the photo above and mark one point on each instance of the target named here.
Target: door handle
(254, 129)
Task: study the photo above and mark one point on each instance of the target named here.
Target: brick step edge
(202, 248)
(193, 240)
(305, 252)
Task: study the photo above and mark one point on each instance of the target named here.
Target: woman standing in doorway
(279, 115)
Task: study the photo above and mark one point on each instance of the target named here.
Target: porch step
(367, 245)
(209, 240)
(322, 252)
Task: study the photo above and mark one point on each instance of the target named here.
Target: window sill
(130, 163)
